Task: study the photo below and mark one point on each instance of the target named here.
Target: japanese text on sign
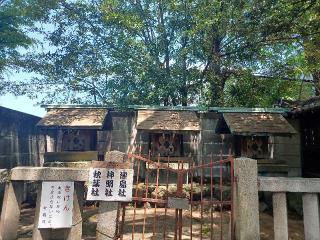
(110, 184)
(56, 205)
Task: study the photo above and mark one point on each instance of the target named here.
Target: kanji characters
(109, 183)
(108, 192)
(95, 191)
(123, 175)
(110, 174)
(122, 193)
(123, 184)
(96, 183)
(97, 174)
(56, 199)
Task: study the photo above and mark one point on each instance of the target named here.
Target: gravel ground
(90, 221)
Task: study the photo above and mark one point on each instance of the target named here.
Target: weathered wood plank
(258, 123)
(168, 120)
(72, 117)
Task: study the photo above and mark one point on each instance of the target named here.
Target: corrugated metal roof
(258, 124)
(168, 120)
(84, 118)
(248, 110)
(206, 109)
(168, 108)
(91, 106)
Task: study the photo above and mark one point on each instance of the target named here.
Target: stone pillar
(311, 216)
(78, 197)
(280, 216)
(246, 201)
(108, 211)
(39, 234)
(10, 213)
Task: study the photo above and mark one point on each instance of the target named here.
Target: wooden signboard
(56, 205)
(178, 203)
(110, 184)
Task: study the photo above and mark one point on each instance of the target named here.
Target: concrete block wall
(122, 130)
(212, 144)
(287, 149)
(103, 142)
(208, 144)
(142, 141)
(201, 146)
(190, 144)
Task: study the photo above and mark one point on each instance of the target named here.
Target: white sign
(110, 184)
(56, 205)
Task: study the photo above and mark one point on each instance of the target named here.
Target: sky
(22, 104)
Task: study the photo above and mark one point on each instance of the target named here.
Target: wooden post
(10, 214)
(108, 211)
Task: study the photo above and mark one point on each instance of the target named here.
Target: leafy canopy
(170, 52)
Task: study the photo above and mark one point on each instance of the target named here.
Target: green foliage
(17, 17)
(254, 91)
(165, 51)
(11, 36)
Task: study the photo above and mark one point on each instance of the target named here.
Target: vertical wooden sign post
(108, 210)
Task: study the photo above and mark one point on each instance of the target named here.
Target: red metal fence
(179, 200)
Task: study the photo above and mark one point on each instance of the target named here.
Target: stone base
(82, 164)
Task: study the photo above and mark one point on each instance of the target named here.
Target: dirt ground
(295, 226)
(161, 222)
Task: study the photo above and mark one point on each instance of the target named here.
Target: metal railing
(208, 214)
(198, 205)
